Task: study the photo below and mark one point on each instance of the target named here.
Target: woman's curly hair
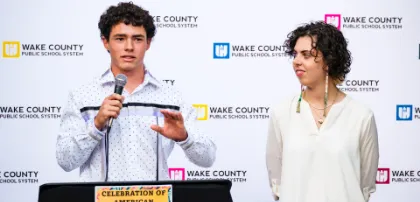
(128, 13)
(329, 41)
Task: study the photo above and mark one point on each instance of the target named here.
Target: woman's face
(310, 70)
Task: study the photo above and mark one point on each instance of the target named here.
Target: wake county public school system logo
(407, 112)
(225, 50)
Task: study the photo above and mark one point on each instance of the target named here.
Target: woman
(322, 145)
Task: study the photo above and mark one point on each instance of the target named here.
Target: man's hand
(110, 107)
(173, 127)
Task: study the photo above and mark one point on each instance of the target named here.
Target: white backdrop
(386, 59)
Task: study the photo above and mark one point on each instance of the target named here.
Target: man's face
(127, 45)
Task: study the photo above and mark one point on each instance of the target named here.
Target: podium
(182, 191)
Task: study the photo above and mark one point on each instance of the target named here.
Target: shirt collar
(107, 77)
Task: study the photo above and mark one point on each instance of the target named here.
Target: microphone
(120, 81)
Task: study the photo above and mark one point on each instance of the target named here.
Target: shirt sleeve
(77, 138)
(274, 150)
(369, 152)
(198, 147)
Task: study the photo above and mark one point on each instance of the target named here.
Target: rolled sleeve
(199, 148)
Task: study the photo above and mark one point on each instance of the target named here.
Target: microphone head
(120, 80)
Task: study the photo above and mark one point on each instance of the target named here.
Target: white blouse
(336, 163)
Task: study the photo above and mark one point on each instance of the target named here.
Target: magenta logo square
(383, 176)
(333, 19)
(177, 173)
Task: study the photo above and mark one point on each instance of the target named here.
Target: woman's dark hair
(128, 13)
(329, 41)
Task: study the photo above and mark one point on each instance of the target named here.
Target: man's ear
(149, 41)
(105, 43)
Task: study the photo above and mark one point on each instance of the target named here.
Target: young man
(127, 31)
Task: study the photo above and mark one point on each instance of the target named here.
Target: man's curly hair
(329, 41)
(128, 13)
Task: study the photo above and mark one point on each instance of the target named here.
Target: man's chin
(128, 68)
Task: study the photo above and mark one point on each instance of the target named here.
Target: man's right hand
(110, 107)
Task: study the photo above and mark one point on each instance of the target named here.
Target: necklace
(322, 118)
(321, 108)
(336, 94)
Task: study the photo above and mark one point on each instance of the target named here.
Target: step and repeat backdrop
(228, 60)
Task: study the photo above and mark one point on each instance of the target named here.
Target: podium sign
(134, 193)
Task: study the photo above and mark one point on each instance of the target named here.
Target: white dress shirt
(132, 143)
(336, 163)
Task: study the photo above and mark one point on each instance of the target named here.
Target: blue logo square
(404, 112)
(221, 50)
